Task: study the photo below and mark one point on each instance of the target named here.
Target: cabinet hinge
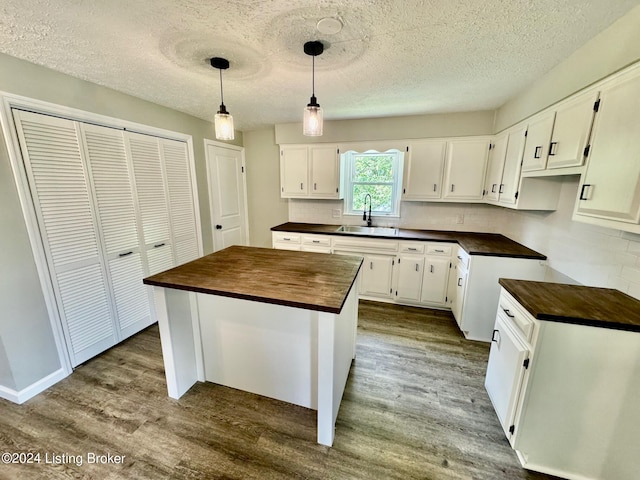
(525, 364)
(404, 190)
(282, 189)
(407, 148)
(516, 195)
(450, 264)
(393, 262)
(596, 105)
(484, 192)
(446, 299)
(281, 153)
(586, 150)
(338, 151)
(512, 429)
(396, 292)
(526, 132)
(336, 189)
(398, 262)
(242, 169)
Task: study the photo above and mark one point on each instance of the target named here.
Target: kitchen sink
(356, 229)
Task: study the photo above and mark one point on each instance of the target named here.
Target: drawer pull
(493, 336)
(370, 265)
(493, 188)
(552, 148)
(124, 254)
(286, 239)
(440, 251)
(431, 269)
(412, 249)
(417, 268)
(536, 153)
(315, 241)
(435, 187)
(582, 192)
(158, 245)
(459, 282)
(506, 310)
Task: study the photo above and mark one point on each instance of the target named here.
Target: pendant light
(223, 119)
(312, 123)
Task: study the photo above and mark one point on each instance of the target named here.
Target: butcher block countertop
(488, 244)
(596, 307)
(313, 281)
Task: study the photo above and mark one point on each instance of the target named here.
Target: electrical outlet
(336, 213)
(460, 218)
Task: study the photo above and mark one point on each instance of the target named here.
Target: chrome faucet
(364, 214)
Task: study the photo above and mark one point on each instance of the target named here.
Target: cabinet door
(325, 171)
(571, 131)
(610, 188)
(65, 211)
(495, 167)
(461, 285)
(465, 169)
(505, 371)
(512, 166)
(376, 275)
(423, 170)
(294, 171)
(409, 279)
(536, 150)
(435, 280)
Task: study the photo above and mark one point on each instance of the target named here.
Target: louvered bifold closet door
(181, 200)
(59, 185)
(144, 151)
(117, 219)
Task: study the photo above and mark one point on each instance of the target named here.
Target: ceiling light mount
(223, 119)
(312, 123)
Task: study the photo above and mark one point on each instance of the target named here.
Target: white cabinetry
(316, 243)
(566, 393)
(609, 191)
(102, 215)
(495, 167)
(476, 297)
(536, 150)
(410, 271)
(310, 171)
(286, 240)
(465, 169)
(435, 280)
(423, 170)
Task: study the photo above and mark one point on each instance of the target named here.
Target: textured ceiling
(392, 57)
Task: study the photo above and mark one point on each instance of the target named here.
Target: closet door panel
(181, 201)
(113, 190)
(62, 200)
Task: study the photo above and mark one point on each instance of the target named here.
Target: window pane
(373, 168)
(380, 197)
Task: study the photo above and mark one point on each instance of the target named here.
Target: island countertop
(484, 244)
(313, 281)
(578, 304)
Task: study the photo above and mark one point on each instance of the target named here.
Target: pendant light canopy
(312, 123)
(223, 119)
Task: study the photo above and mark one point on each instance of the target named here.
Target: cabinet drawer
(439, 250)
(286, 237)
(316, 240)
(411, 248)
(516, 316)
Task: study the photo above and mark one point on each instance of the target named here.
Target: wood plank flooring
(414, 408)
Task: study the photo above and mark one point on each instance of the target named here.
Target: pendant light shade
(223, 119)
(312, 122)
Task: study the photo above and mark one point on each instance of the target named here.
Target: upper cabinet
(559, 137)
(495, 167)
(423, 169)
(465, 167)
(609, 191)
(310, 171)
(450, 170)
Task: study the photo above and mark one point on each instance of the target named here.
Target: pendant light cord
(313, 75)
(221, 96)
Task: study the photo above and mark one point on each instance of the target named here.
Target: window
(378, 174)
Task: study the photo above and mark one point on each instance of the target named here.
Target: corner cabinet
(310, 171)
(609, 191)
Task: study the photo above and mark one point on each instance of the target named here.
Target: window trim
(396, 186)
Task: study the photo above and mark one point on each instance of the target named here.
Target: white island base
(291, 354)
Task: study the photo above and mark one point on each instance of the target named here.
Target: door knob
(218, 227)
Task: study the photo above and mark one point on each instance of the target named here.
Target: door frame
(9, 101)
(227, 146)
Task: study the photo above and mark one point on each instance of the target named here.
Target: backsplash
(591, 255)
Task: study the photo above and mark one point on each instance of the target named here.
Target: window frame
(349, 158)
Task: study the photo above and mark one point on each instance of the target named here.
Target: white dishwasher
(508, 361)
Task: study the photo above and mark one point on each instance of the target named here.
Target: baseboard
(33, 389)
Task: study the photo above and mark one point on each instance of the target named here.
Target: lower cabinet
(566, 394)
(409, 278)
(376, 275)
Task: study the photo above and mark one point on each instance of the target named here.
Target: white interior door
(227, 195)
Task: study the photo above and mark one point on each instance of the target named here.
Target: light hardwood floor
(414, 408)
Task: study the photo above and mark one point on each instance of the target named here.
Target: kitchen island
(276, 323)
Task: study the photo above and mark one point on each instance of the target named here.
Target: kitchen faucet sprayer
(364, 214)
